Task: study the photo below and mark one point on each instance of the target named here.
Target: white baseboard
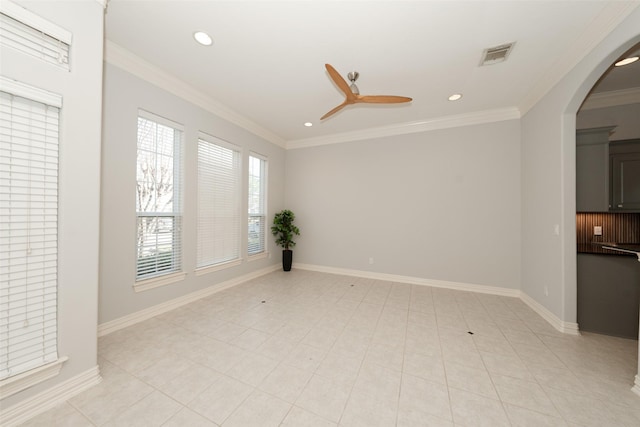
(41, 402)
(142, 315)
(484, 289)
(139, 316)
(562, 326)
(48, 399)
(636, 386)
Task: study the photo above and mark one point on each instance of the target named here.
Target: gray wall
(124, 94)
(626, 118)
(79, 177)
(439, 205)
(548, 176)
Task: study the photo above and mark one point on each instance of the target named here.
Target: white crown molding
(459, 120)
(30, 407)
(609, 18)
(612, 98)
(142, 315)
(122, 58)
(103, 3)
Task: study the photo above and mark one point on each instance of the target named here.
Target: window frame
(264, 181)
(175, 273)
(33, 35)
(43, 155)
(202, 265)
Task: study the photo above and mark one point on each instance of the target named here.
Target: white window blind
(257, 205)
(218, 202)
(33, 35)
(158, 197)
(28, 229)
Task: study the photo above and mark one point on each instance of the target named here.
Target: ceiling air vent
(493, 55)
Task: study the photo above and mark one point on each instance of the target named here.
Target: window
(28, 227)
(158, 197)
(28, 33)
(257, 207)
(218, 202)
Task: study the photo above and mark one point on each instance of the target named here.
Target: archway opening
(607, 184)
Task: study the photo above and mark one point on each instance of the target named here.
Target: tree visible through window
(257, 208)
(158, 204)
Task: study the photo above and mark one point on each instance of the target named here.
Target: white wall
(548, 176)
(124, 94)
(439, 205)
(79, 176)
(626, 118)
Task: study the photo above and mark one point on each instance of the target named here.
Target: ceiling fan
(352, 94)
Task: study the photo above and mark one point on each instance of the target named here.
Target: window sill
(12, 385)
(156, 282)
(258, 256)
(217, 267)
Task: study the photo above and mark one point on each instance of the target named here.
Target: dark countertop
(629, 248)
(607, 248)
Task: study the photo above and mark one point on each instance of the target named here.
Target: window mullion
(159, 231)
(256, 205)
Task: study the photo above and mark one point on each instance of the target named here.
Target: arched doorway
(608, 123)
(568, 127)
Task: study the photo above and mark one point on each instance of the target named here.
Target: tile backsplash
(616, 227)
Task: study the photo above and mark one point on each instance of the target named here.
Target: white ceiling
(620, 78)
(266, 66)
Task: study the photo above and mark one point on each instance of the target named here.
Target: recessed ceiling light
(455, 97)
(203, 38)
(308, 124)
(627, 61)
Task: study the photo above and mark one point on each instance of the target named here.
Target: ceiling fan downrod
(353, 76)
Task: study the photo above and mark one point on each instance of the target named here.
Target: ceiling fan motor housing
(353, 76)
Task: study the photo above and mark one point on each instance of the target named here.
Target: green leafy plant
(284, 229)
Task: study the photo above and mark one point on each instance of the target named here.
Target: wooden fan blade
(335, 110)
(342, 83)
(383, 99)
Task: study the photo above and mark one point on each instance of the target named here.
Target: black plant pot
(287, 259)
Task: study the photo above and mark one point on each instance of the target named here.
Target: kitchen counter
(628, 248)
(608, 294)
(600, 249)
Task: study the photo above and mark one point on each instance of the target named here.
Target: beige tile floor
(312, 349)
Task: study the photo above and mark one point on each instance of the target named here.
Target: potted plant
(284, 230)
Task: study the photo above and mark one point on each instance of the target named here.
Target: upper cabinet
(592, 169)
(607, 173)
(624, 165)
